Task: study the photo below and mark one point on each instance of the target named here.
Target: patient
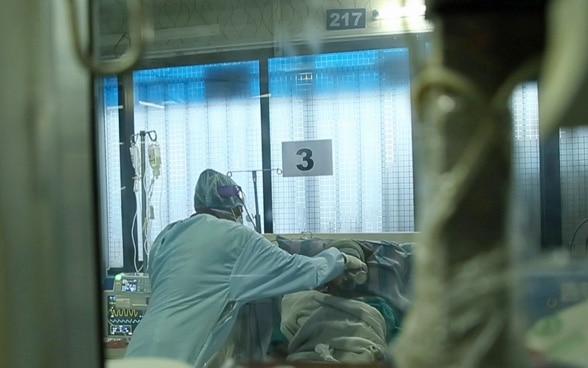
(328, 325)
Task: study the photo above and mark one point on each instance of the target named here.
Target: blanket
(389, 267)
(323, 327)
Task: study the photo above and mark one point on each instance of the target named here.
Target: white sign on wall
(307, 158)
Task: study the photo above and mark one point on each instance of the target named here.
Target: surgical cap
(206, 194)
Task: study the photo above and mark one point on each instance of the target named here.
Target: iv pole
(256, 218)
(152, 134)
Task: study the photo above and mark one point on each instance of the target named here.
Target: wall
(194, 26)
(49, 310)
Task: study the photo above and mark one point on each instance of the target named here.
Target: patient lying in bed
(325, 325)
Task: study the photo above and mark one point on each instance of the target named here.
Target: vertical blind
(361, 102)
(111, 176)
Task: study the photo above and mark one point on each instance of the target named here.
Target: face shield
(238, 213)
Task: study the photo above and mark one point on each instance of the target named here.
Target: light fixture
(151, 104)
(395, 12)
(179, 33)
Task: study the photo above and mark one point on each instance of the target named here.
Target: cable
(141, 188)
(154, 155)
(147, 223)
(241, 196)
(134, 242)
(571, 244)
(250, 219)
(126, 335)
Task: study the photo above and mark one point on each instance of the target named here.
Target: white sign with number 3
(307, 158)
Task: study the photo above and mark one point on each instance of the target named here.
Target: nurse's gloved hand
(353, 263)
(355, 268)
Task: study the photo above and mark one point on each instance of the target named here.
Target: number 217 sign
(345, 19)
(307, 158)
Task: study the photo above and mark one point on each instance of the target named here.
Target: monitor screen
(129, 285)
(120, 321)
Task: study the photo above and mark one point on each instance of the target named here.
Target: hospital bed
(349, 325)
(398, 237)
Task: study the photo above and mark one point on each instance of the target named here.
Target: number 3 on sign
(307, 158)
(308, 163)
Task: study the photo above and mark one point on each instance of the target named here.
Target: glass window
(361, 102)
(198, 117)
(208, 116)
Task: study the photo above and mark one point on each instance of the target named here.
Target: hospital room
(294, 183)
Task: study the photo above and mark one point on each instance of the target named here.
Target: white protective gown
(202, 271)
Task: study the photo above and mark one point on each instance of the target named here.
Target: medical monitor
(126, 303)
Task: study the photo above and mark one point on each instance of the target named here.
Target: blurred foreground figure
(461, 316)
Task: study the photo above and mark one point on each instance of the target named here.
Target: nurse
(204, 268)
